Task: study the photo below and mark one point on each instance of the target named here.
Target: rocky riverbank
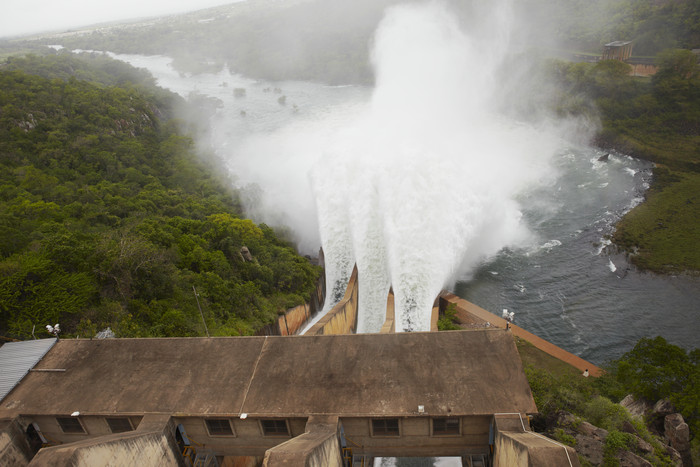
(654, 435)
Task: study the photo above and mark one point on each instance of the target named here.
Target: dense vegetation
(108, 218)
(657, 119)
(653, 370)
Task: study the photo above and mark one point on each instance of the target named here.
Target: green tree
(655, 369)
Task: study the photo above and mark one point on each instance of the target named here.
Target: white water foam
(413, 223)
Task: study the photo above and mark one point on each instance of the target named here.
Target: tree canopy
(109, 218)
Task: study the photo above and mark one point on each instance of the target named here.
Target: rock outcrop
(638, 408)
(590, 439)
(677, 434)
(246, 255)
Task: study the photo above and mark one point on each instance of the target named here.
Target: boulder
(588, 429)
(663, 407)
(629, 459)
(676, 458)
(655, 419)
(565, 419)
(636, 407)
(642, 446)
(677, 433)
(590, 448)
(245, 254)
(627, 427)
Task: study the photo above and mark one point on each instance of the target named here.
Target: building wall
(93, 425)
(528, 449)
(309, 450)
(242, 461)
(143, 449)
(318, 447)
(642, 69)
(248, 438)
(509, 453)
(14, 448)
(416, 439)
(152, 444)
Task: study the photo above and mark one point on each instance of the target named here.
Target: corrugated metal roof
(17, 358)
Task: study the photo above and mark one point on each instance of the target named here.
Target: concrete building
(327, 398)
(617, 50)
(295, 400)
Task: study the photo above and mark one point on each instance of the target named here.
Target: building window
(445, 426)
(219, 427)
(119, 424)
(70, 425)
(275, 427)
(385, 427)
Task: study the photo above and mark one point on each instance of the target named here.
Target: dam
(329, 397)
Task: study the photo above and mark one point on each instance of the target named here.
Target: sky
(21, 17)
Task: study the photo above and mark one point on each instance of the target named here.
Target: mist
(34, 16)
(419, 183)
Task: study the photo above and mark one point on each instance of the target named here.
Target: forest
(108, 218)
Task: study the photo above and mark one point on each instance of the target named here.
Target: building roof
(449, 373)
(17, 358)
(617, 43)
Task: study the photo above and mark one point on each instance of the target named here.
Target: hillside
(109, 218)
(329, 41)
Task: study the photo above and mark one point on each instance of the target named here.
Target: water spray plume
(432, 170)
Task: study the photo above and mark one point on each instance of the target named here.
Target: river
(565, 284)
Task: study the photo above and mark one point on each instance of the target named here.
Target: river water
(564, 283)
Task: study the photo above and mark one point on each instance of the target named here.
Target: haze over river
(561, 281)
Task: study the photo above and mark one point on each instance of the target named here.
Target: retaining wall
(291, 321)
(151, 444)
(516, 446)
(317, 447)
(342, 319)
(468, 313)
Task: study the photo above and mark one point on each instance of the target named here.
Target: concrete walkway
(467, 312)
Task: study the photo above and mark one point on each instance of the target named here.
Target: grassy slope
(665, 230)
(531, 355)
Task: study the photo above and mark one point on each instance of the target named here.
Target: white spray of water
(420, 184)
(432, 173)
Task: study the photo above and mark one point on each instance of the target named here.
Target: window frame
(221, 421)
(384, 431)
(111, 428)
(276, 433)
(71, 421)
(446, 431)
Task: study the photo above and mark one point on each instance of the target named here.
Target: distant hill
(329, 40)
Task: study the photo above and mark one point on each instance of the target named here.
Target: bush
(448, 321)
(606, 414)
